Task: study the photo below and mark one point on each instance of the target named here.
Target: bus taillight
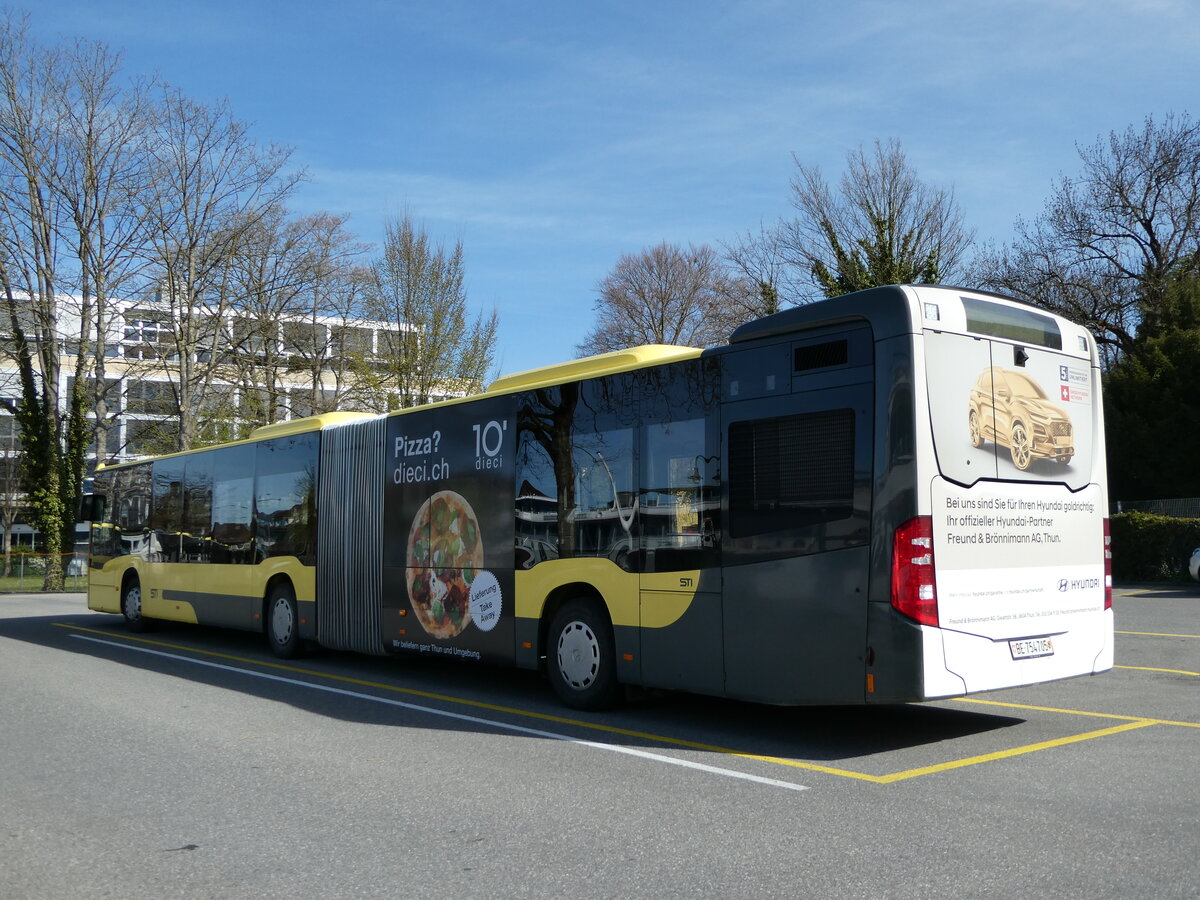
(1107, 565)
(914, 588)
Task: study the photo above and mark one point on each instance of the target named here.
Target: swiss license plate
(1029, 648)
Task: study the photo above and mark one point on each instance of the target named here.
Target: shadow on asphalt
(827, 734)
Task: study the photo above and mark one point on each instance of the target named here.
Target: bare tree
(319, 286)
(296, 284)
(30, 224)
(212, 185)
(12, 492)
(669, 295)
(334, 292)
(1111, 239)
(431, 350)
(104, 129)
(266, 276)
(763, 260)
(883, 225)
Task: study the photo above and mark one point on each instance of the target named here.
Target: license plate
(1029, 648)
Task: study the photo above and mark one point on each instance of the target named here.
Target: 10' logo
(489, 441)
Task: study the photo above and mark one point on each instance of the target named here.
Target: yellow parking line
(1015, 751)
(1132, 722)
(1159, 634)
(1168, 671)
(1076, 712)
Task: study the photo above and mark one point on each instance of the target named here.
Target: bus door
(795, 545)
(1018, 512)
(167, 581)
(679, 507)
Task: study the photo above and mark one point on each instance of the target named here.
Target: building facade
(248, 372)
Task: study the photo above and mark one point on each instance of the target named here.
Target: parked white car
(1194, 564)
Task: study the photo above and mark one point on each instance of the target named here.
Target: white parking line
(462, 717)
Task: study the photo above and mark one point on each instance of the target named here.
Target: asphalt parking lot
(342, 775)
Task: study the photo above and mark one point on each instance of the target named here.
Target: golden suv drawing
(1010, 408)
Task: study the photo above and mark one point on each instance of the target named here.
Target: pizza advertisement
(448, 529)
(445, 553)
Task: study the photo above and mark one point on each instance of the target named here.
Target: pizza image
(445, 552)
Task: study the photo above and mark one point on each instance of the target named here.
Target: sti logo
(1065, 391)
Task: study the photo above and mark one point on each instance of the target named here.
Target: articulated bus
(890, 496)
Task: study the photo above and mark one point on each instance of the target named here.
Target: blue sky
(553, 137)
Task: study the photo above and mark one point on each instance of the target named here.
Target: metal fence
(1179, 508)
(23, 572)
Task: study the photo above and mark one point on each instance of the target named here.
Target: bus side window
(232, 507)
(198, 490)
(901, 438)
(285, 497)
(680, 497)
(679, 502)
(602, 516)
(166, 511)
(574, 474)
(131, 510)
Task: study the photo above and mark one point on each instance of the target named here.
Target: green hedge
(1148, 547)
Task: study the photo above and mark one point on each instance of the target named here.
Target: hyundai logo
(1062, 584)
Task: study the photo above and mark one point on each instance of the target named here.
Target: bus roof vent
(819, 356)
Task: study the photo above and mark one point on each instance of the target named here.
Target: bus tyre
(581, 659)
(131, 605)
(283, 622)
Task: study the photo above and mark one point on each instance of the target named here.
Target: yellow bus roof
(591, 366)
(278, 429)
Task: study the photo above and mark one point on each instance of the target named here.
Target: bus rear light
(914, 587)
(1107, 564)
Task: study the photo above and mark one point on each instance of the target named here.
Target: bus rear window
(1022, 325)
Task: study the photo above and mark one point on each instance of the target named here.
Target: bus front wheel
(283, 622)
(131, 605)
(581, 659)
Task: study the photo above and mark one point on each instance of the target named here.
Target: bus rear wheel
(283, 622)
(581, 657)
(131, 605)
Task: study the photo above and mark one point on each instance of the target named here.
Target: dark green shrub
(1148, 547)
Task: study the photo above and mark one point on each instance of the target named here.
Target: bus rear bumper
(987, 664)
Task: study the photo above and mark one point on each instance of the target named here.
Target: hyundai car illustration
(1011, 409)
